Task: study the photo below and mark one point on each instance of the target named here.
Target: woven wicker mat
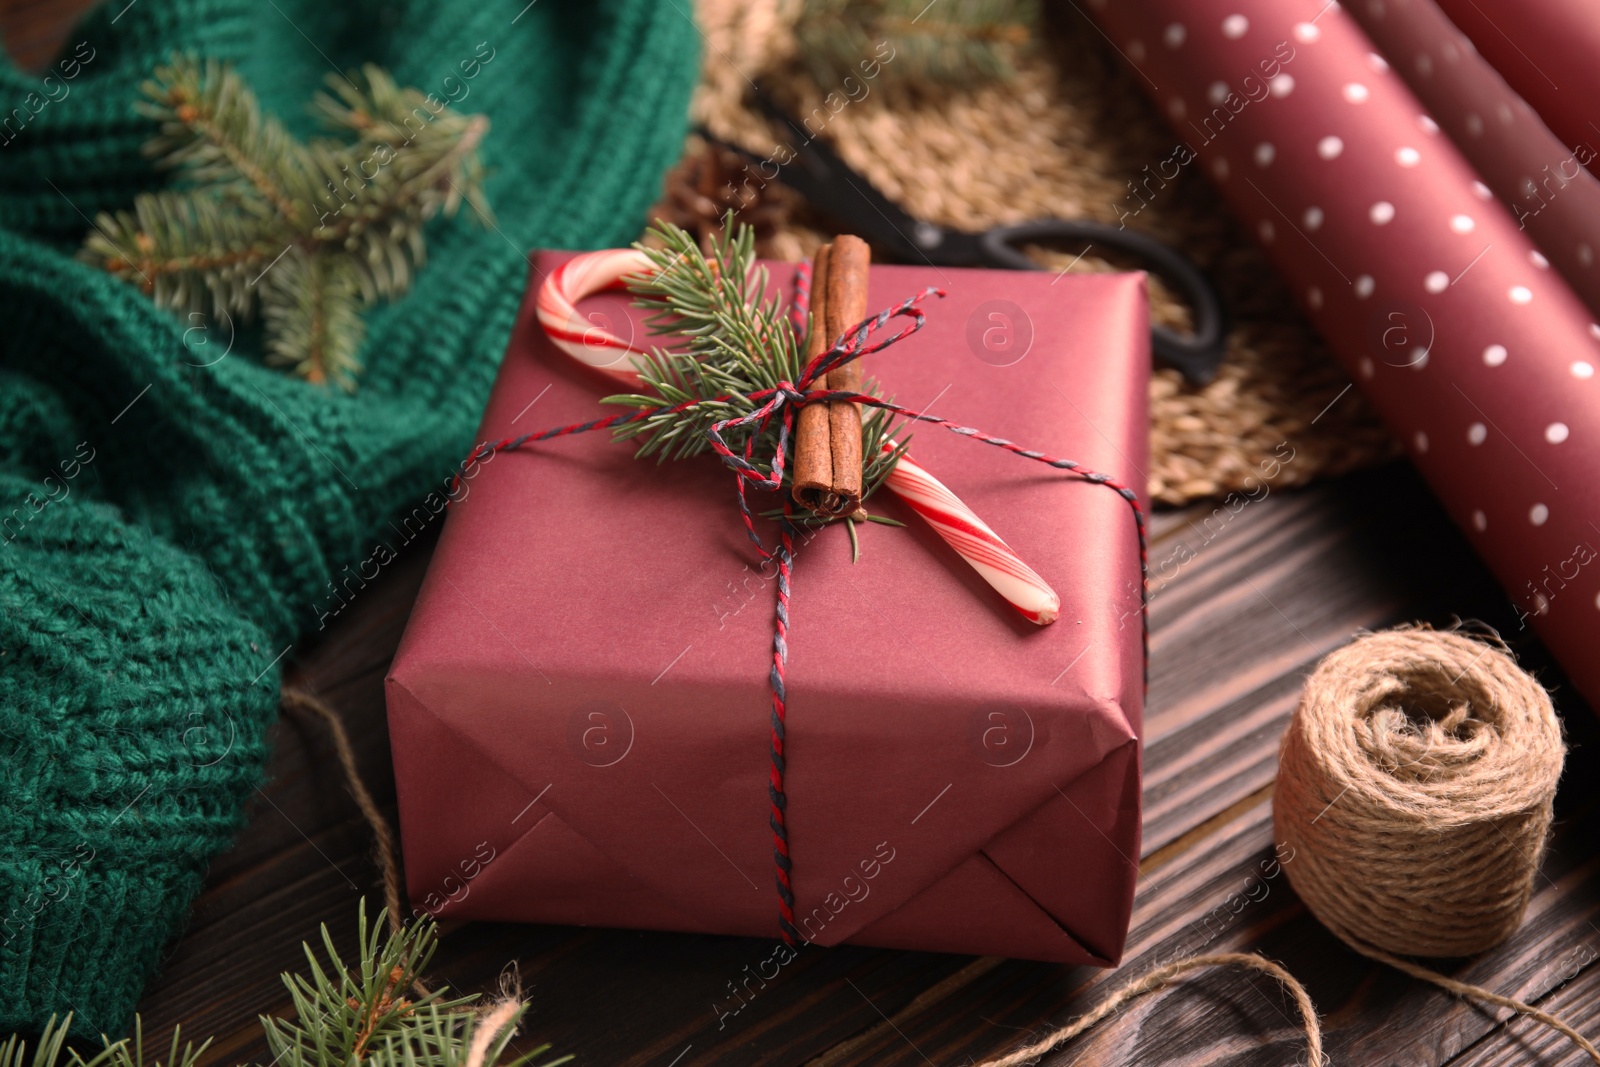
(1062, 139)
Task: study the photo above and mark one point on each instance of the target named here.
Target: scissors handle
(1198, 356)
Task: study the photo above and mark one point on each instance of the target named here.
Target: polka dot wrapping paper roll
(1546, 49)
(1542, 181)
(1480, 358)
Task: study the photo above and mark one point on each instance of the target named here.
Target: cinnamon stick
(827, 447)
(847, 305)
(813, 451)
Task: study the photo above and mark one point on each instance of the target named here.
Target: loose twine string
(1162, 977)
(301, 703)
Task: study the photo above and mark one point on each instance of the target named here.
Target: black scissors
(816, 172)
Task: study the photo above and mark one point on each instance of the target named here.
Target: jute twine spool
(1415, 786)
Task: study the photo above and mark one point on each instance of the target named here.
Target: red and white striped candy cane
(960, 526)
(970, 536)
(581, 276)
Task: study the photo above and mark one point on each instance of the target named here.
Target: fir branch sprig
(306, 233)
(344, 1016)
(953, 43)
(737, 339)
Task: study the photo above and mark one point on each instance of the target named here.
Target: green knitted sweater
(169, 529)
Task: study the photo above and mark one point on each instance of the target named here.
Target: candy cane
(581, 276)
(959, 525)
(971, 537)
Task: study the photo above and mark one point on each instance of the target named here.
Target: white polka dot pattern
(1454, 314)
(1517, 158)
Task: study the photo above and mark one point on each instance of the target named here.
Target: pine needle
(308, 234)
(734, 339)
(344, 1015)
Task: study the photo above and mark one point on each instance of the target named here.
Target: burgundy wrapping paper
(1481, 361)
(1548, 50)
(579, 706)
(1544, 183)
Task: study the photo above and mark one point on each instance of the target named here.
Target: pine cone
(711, 180)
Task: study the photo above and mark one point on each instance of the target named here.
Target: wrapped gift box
(579, 708)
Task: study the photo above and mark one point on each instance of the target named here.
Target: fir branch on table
(306, 233)
(739, 341)
(344, 1016)
(951, 42)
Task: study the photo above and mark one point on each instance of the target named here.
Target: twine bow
(788, 397)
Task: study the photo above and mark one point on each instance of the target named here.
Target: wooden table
(1271, 588)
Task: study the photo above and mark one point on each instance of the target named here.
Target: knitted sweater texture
(170, 516)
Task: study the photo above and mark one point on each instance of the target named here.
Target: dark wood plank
(1576, 1000)
(1235, 629)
